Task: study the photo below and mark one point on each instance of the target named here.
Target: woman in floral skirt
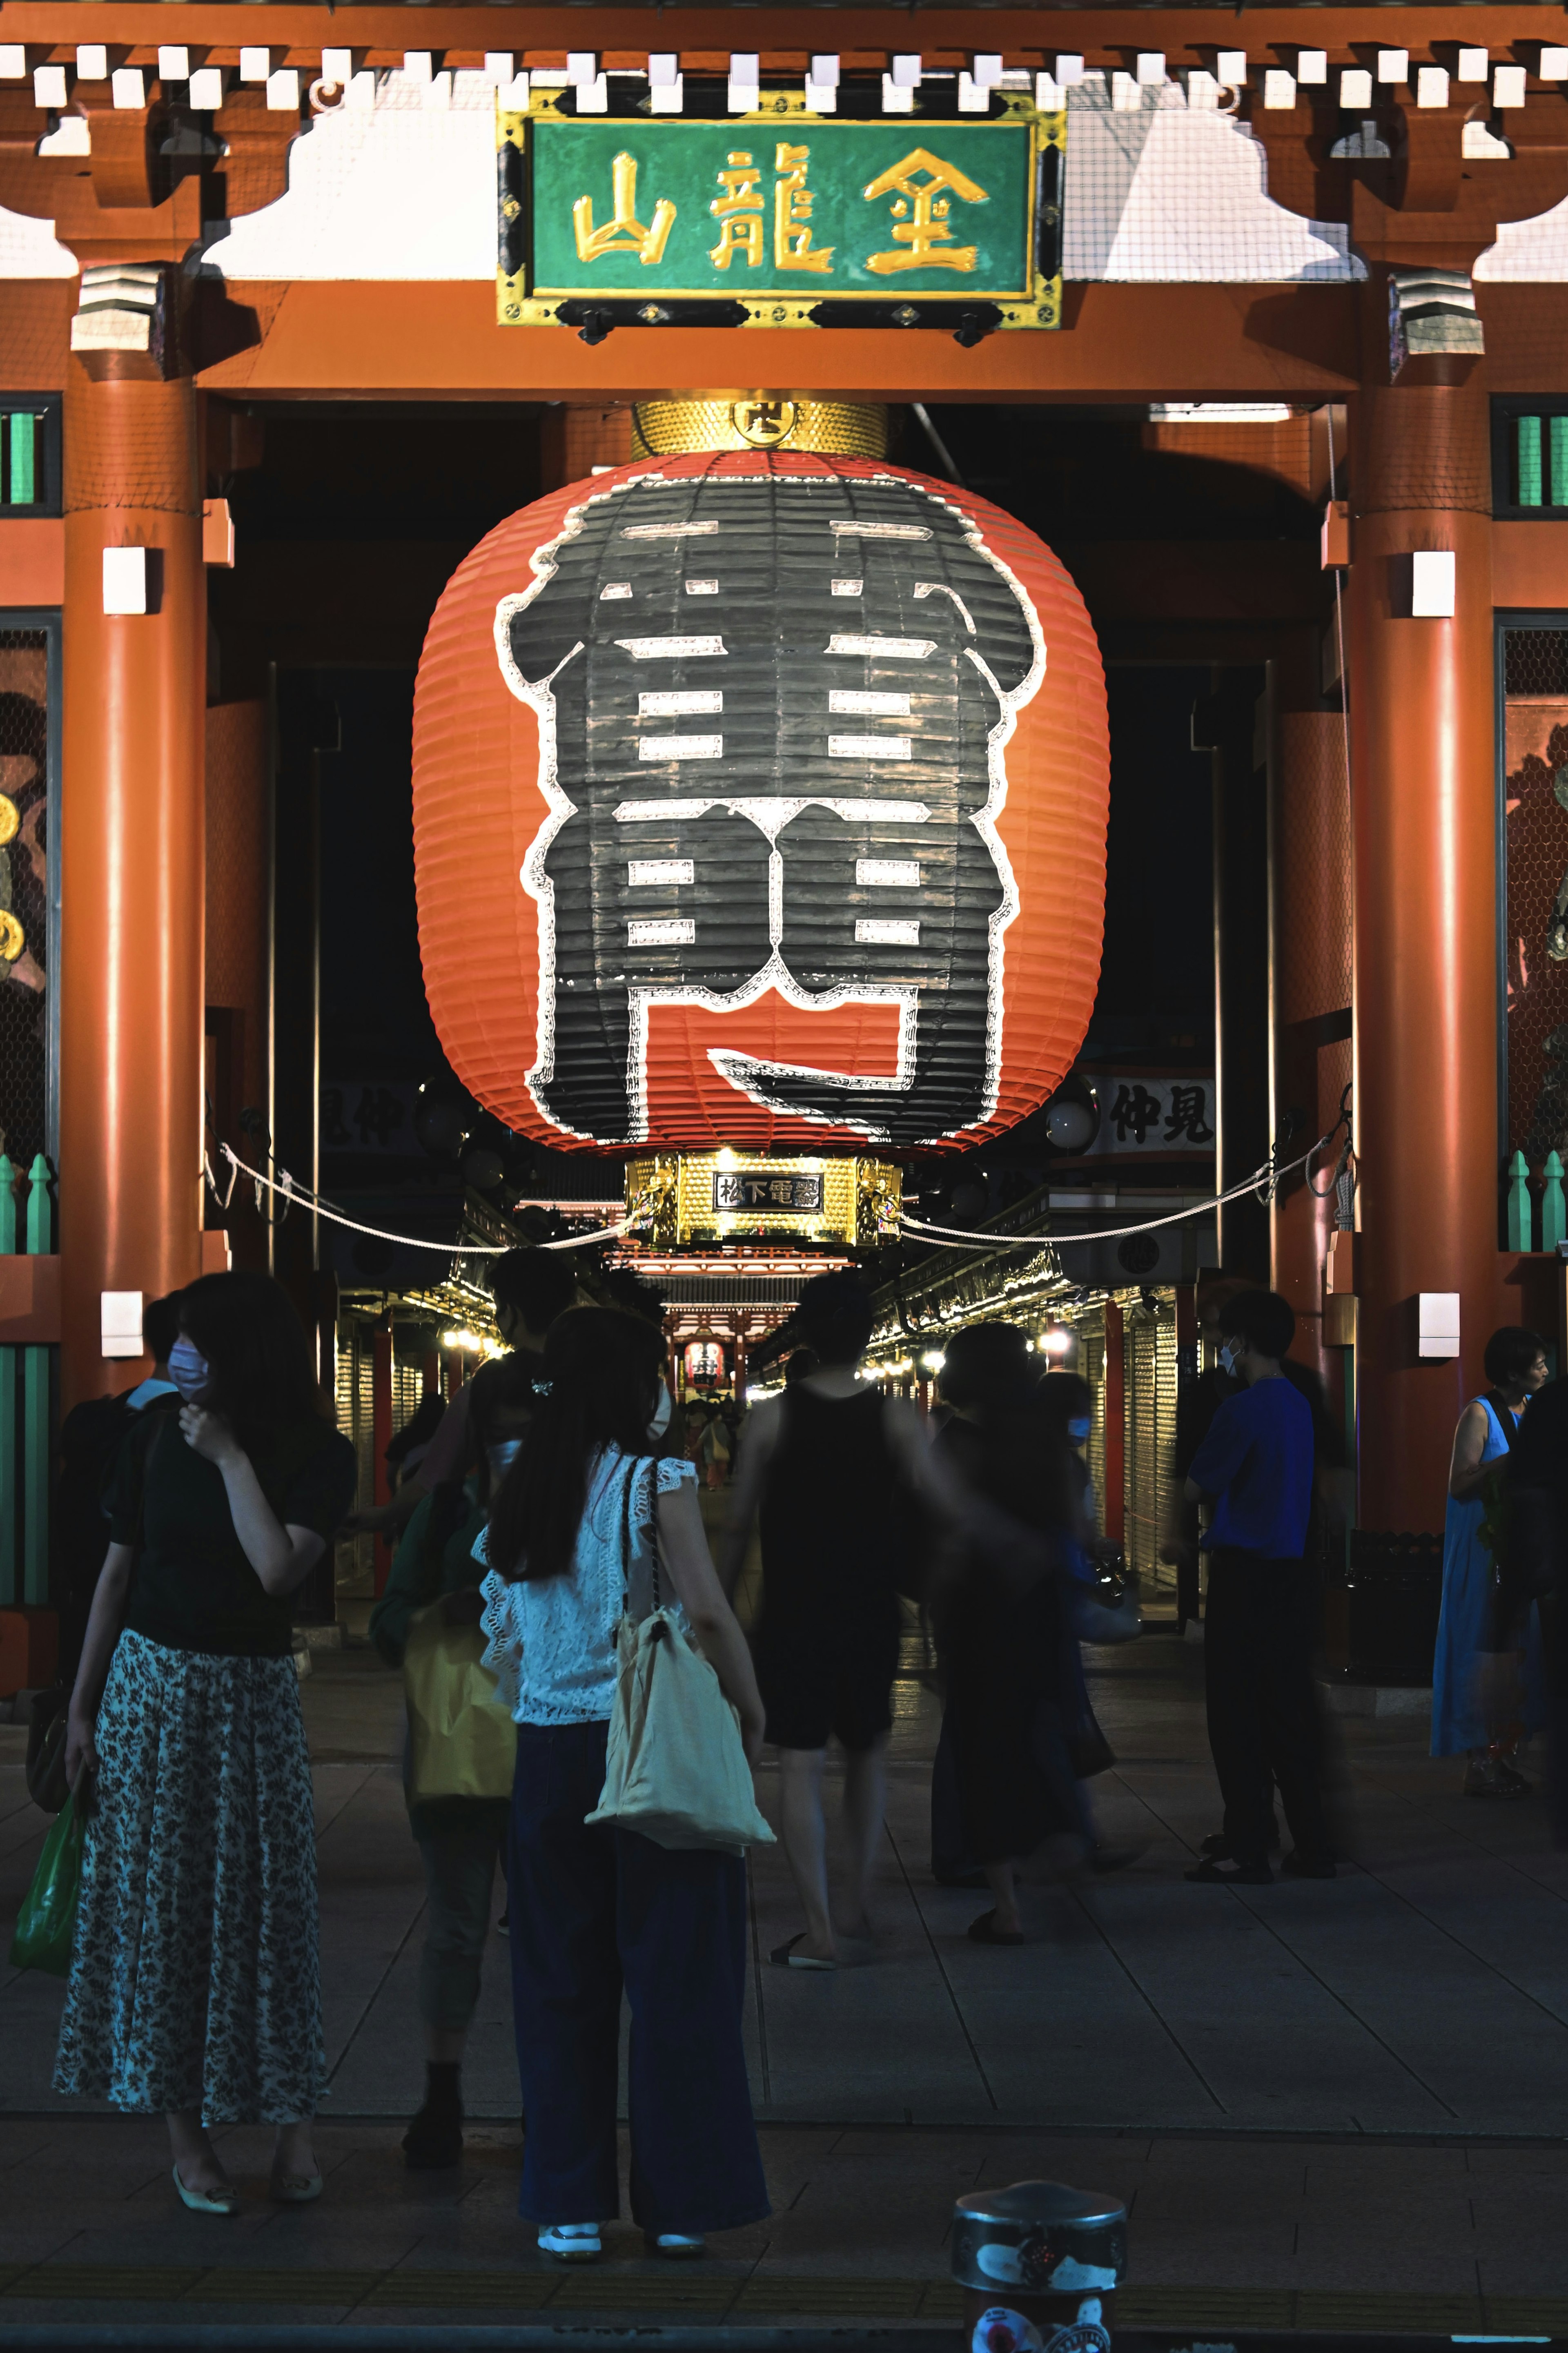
(194, 1988)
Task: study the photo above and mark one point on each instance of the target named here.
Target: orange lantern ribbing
(760, 798)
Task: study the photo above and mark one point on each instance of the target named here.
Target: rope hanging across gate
(1262, 1182)
(302, 1194)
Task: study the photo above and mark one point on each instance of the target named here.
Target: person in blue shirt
(1256, 1471)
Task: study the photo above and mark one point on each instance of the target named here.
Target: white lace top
(552, 1643)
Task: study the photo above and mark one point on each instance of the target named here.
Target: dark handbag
(1106, 1611)
(46, 1749)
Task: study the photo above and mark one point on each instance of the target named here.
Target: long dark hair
(597, 1386)
(1013, 1449)
(246, 1328)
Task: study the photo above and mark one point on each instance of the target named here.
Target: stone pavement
(1353, 2090)
(1226, 2231)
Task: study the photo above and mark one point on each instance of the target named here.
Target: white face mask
(501, 1458)
(1228, 1354)
(661, 1412)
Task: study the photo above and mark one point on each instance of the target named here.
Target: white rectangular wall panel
(125, 574)
(1433, 584)
(120, 1322)
(1437, 1324)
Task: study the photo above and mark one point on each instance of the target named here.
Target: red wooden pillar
(1113, 1503)
(1423, 756)
(131, 855)
(380, 1438)
(1311, 873)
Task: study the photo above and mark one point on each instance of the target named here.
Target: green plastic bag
(46, 1921)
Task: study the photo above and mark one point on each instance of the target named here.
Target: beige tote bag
(675, 1768)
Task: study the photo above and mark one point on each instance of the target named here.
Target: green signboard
(779, 213)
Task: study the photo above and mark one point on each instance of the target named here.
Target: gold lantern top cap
(760, 420)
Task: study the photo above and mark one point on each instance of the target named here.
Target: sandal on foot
(1240, 1874)
(674, 2244)
(985, 1931)
(208, 2201)
(295, 2188)
(784, 1956)
(571, 2242)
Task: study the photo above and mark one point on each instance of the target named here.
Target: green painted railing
(25, 1388)
(1554, 1220)
(1520, 1208)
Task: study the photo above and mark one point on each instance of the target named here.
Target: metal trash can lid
(1042, 2236)
(1042, 2201)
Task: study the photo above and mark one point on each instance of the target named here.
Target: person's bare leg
(805, 1845)
(292, 2154)
(1001, 1879)
(200, 2165)
(865, 1818)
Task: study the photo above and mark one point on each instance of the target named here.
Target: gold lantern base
(707, 1198)
(760, 420)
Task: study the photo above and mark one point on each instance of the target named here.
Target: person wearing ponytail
(591, 1518)
(194, 1988)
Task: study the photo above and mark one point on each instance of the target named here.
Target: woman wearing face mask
(194, 1986)
(573, 1534)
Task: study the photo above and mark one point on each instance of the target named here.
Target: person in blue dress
(1515, 1363)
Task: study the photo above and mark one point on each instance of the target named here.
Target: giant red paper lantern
(761, 799)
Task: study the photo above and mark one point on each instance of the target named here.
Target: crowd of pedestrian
(552, 1575)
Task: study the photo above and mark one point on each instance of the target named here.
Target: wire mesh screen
(25, 1123)
(1535, 763)
(1158, 188)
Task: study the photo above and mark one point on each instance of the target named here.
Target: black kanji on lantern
(773, 713)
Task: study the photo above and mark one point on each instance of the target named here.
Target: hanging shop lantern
(760, 798)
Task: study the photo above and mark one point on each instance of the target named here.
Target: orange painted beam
(32, 560)
(780, 34)
(1530, 565)
(438, 340)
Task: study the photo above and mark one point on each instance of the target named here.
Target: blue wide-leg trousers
(594, 1911)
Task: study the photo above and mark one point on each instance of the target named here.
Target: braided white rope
(1262, 1182)
(306, 1199)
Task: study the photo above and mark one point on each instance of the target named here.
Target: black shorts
(820, 1683)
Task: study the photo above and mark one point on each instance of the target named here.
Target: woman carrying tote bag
(596, 1907)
